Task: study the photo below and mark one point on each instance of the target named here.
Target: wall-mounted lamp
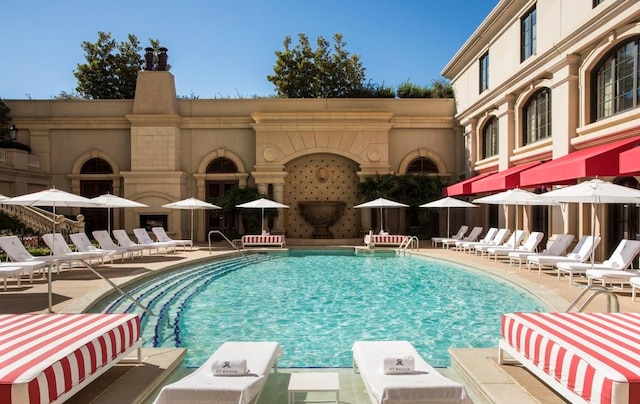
(13, 133)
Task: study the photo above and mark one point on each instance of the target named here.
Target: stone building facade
(550, 81)
(158, 149)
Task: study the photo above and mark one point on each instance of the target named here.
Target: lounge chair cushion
(202, 386)
(590, 355)
(48, 357)
(424, 385)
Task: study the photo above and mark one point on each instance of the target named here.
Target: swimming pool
(317, 303)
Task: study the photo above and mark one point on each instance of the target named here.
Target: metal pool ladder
(595, 291)
(233, 245)
(409, 241)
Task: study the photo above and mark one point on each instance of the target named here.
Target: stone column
(278, 196)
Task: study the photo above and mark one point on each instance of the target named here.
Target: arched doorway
(93, 185)
(218, 188)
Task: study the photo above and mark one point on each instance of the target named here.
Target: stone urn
(321, 215)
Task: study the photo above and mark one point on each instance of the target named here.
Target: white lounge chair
(106, 243)
(580, 253)
(458, 236)
(423, 385)
(17, 252)
(530, 245)
(125, 241)
(82, 243)
(512, 242)
(144, 239)
(162, 236)
(471, 237)
(202, 386)
(468, 245)
(613, 270)
(558, 247)
(15, 270)
(59, 246)
(635, 285)
(618, 261)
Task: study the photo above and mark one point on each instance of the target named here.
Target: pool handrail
(224, 237)
(95, 271)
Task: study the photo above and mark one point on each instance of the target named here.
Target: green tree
(302, 72)
(438, 89)
(5, 120)
(111, 68)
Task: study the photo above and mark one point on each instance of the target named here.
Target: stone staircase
(41, 221)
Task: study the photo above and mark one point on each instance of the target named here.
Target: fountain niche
(321, 215)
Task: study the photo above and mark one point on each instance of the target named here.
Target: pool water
(317, 304)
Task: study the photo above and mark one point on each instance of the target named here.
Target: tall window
(528, 34)
(484, 72)
(616, 81)
(596, 2)
(537, 117)
(490, 138)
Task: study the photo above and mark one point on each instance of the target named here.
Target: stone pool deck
(487, 381)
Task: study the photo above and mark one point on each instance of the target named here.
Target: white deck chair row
(530, 245)
(558, 247)
(580, 253)
(458, 236)
(514, 239)
(471, 237)
(467, 246)
(58, 245)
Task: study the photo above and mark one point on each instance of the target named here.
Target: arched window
(490, 138)
(422, 165)
(616, 81)
(537, 117)
(96, 166)
(221, 165)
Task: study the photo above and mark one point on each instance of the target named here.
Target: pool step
(168, 294)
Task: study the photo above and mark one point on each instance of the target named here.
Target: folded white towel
(236, 367)
(402, 365)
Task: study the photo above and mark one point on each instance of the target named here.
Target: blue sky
(226, 48)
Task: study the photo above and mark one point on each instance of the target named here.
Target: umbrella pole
(191, 226)
(53, 241)
(262, 217)
(594, 217)
(50, 288)
(381, 217)
(448, 221)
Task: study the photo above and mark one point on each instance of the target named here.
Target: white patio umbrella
(516, 196)
(191, 204)
(55, 198)
(448, 203)
(595, 192)
(112, 201)
(381, 203)
(262, 204)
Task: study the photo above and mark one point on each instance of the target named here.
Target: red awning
(595, 161)
(503, 180)
(463, 187)
(630, 161)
